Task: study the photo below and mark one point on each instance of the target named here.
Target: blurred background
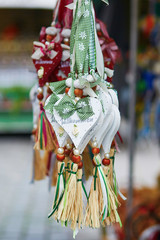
(135, 26)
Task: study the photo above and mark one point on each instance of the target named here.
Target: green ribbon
(84, 189)
(58, 87)
(106, 187)
(58, 184)
(92, 51)
(80, 35)
(41, 130)
(52, 100)
(67, 107)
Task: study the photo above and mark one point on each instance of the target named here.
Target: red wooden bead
(49, 38)
(80, 165)
(67, 151)
(40, 96)
(34, 131)
(67, 90)
(106, 161)
(78, 92)
(76, 158)
(95, 150)
(60, 157)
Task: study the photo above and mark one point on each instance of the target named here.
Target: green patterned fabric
(58, 87)
(52, 100)
(67, 107)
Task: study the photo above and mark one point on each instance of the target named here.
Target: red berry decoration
(95, 150)
(67, 90)
(67, 152)
(106, 161)
(80, 165)
(40, 96)
(78, 92)
(76, 158)
(60, 157)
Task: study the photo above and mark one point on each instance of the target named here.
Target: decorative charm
(80, 117)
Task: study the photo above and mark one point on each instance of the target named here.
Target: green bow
(67, 107)
(52, 100)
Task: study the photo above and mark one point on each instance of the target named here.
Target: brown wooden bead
(99, 33)
(106, 161)
(95, 150)
(80, 165)
(67, 90)
(60, 157)
(78, 92)
(66, 41)
(67, 152)
(34, 131)
(49, 38)
(40, 96)
(76, 158)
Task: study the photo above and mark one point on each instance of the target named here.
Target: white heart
(86, 128)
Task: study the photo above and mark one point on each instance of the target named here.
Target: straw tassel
(66, 206)
(46, 139)
(92, 210)
(40, 164)
(78, 204)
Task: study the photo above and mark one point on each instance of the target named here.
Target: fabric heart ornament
(79, 120)
(61, 135)
(45, 60)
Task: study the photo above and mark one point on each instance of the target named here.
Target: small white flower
(79, 13)
(81, 66)
(86, 13)
(87, 57)
(86, 2)
(83, 35)
(41, 72)
(81, 47)
(75, 131)
(82, 104)
(60, 131)
(66, 110)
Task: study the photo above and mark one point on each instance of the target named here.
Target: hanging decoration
(79, 115)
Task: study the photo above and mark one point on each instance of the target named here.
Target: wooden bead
(106, 161)
(40, 96)
(78, 92)
(34, 131)
(49, 38)
(66, 41)
(60, 157)
(67, 90)
(67, 152)
(76, 159)
(80, 165)
(95, 150)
